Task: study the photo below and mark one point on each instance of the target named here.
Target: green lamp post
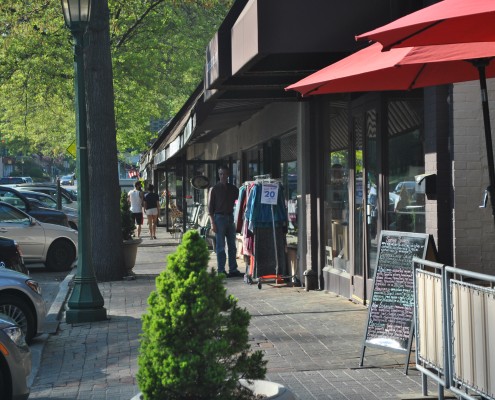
(85, 302)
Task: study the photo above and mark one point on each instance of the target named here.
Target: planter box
(271, 390)
(130, 253)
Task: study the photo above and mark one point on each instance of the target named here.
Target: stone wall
(474, 228)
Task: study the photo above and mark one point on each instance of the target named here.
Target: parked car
(410, 186)
(10, 180)
(67, 180)
(69, 196)
(53, 245)
(21, 300)
(11, 256)
(15, 361)
(16, 198)
(45, 200)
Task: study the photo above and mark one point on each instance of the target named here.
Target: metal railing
(455, 329)
(471, 306)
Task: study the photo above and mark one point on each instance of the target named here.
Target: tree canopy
(157, 47)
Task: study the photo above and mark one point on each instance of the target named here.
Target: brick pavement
(312, 341)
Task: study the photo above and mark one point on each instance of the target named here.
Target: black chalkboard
(391, 311)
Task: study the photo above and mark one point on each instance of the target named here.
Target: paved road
(49, 281)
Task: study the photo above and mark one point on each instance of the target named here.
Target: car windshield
(46, 201)
(12, 199)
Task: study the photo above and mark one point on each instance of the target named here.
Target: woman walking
(152, 208)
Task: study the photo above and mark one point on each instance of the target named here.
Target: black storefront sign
(391, 311)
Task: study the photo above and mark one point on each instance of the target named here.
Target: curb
(157, 244)
(52, 320)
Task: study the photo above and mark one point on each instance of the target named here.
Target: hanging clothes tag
(269, 193)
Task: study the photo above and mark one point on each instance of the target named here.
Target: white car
(53, 245)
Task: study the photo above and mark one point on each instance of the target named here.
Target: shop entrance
(375, 150)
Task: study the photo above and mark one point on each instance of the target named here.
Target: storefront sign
(200, 182)
(390, 318)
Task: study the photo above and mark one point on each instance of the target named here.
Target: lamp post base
(85, 315)
(85, 302)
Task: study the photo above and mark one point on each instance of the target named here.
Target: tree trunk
(105, 224)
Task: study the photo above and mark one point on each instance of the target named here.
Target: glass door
(365, 217)
(373, 210)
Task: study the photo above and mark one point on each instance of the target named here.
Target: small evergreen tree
(127, 222)
(194, 343)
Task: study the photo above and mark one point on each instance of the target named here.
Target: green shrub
(194, 343)
(127, 222)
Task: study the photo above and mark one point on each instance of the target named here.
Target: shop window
(406, 206)
(253, 160)
(288, 167)
(337, 190)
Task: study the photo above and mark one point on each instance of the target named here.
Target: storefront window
(406, 205)
(172, 185)
(337, 186)
(288, 168)
(371, 190)
(253, 160)
(234, 174)
(359, 195)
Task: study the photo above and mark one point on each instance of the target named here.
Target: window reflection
(337, 191)
(406, 204)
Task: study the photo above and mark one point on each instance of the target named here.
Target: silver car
(21, 300)
(67, 180)
(53, 245)
(15, 361)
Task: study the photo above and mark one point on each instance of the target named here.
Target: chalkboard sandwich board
(391, 310)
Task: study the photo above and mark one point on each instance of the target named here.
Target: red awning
(449, 21)
(372, 69)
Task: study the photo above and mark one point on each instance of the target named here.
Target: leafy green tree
(157, 52)
(195, 337)
(27, 167)
(144, 59)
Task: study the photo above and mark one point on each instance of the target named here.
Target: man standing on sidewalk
(221, 211)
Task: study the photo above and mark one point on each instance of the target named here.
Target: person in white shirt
(136, 199)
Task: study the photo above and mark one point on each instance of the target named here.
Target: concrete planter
(271, 390)
(130, 253)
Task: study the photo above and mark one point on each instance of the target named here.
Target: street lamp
(85, 302)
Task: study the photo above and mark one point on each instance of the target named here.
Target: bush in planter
(127, 222)
(194, 343)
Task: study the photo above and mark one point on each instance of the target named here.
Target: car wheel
(60, 257)
(20, 312)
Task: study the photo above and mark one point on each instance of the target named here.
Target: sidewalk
(312, 341)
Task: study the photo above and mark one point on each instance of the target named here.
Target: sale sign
(269, 193)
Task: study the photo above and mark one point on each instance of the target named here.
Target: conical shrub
(194, 343)
(127, 223)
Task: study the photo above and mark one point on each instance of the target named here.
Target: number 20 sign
(269, 193)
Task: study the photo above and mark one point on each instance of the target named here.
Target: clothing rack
(277, 278)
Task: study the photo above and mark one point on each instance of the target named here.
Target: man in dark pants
(221, 211)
